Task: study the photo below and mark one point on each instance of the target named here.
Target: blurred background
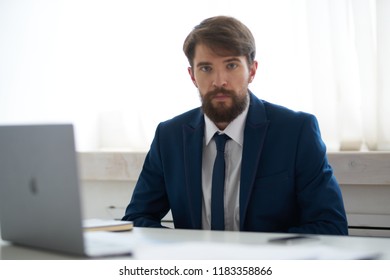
(115, 69)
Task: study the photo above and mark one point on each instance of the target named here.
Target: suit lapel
(254, 134)
(193, 145)
(255, 131)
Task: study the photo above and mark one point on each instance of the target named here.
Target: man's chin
(223, 109)
(221, 115)
(222, 103)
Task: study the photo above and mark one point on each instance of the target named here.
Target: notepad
(106, 225)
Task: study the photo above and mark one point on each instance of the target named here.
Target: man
(277, 177)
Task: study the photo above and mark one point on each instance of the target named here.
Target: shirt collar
(235, 129)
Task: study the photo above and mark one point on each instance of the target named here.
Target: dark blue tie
(218, 184)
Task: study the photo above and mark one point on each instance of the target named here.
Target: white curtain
(116, 68)
(349, 43)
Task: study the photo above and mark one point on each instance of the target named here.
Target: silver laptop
(40, 202)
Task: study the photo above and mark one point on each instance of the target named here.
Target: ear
(192, 76)
(252, 71)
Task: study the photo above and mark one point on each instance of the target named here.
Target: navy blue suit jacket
(286, 182)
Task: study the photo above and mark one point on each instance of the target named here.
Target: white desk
(182, 240)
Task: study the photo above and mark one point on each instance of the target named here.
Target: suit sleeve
(318, 193)
(149, 202)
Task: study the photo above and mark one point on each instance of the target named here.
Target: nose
(220, 79)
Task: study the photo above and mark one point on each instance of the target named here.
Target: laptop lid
(39, 191)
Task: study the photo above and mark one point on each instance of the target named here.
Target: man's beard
(221, 113)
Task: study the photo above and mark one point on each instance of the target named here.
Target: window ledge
(110, 166)
(361, 168)
(350, 168)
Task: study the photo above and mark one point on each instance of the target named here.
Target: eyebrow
(233, 59)
(200, 64)
(205, 63)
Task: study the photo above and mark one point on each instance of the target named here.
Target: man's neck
(222, 125)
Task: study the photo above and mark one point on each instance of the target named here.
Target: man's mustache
(220, 90)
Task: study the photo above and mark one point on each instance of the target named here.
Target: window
(116, 68)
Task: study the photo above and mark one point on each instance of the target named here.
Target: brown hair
(224, 35)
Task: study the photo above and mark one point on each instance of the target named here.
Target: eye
(205, 68)
(231, 66)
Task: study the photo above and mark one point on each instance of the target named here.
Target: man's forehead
(204, 53)
(215, 50)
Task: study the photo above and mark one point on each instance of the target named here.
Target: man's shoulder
(276, 111)
(192, 116)
(278, 115)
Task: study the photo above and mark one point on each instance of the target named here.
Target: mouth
(221, 100)
(220, 96)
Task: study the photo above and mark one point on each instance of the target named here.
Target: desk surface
(200, 244)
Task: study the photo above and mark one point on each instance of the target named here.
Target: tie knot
(220, 141)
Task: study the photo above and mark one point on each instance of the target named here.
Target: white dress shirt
(233, 155)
